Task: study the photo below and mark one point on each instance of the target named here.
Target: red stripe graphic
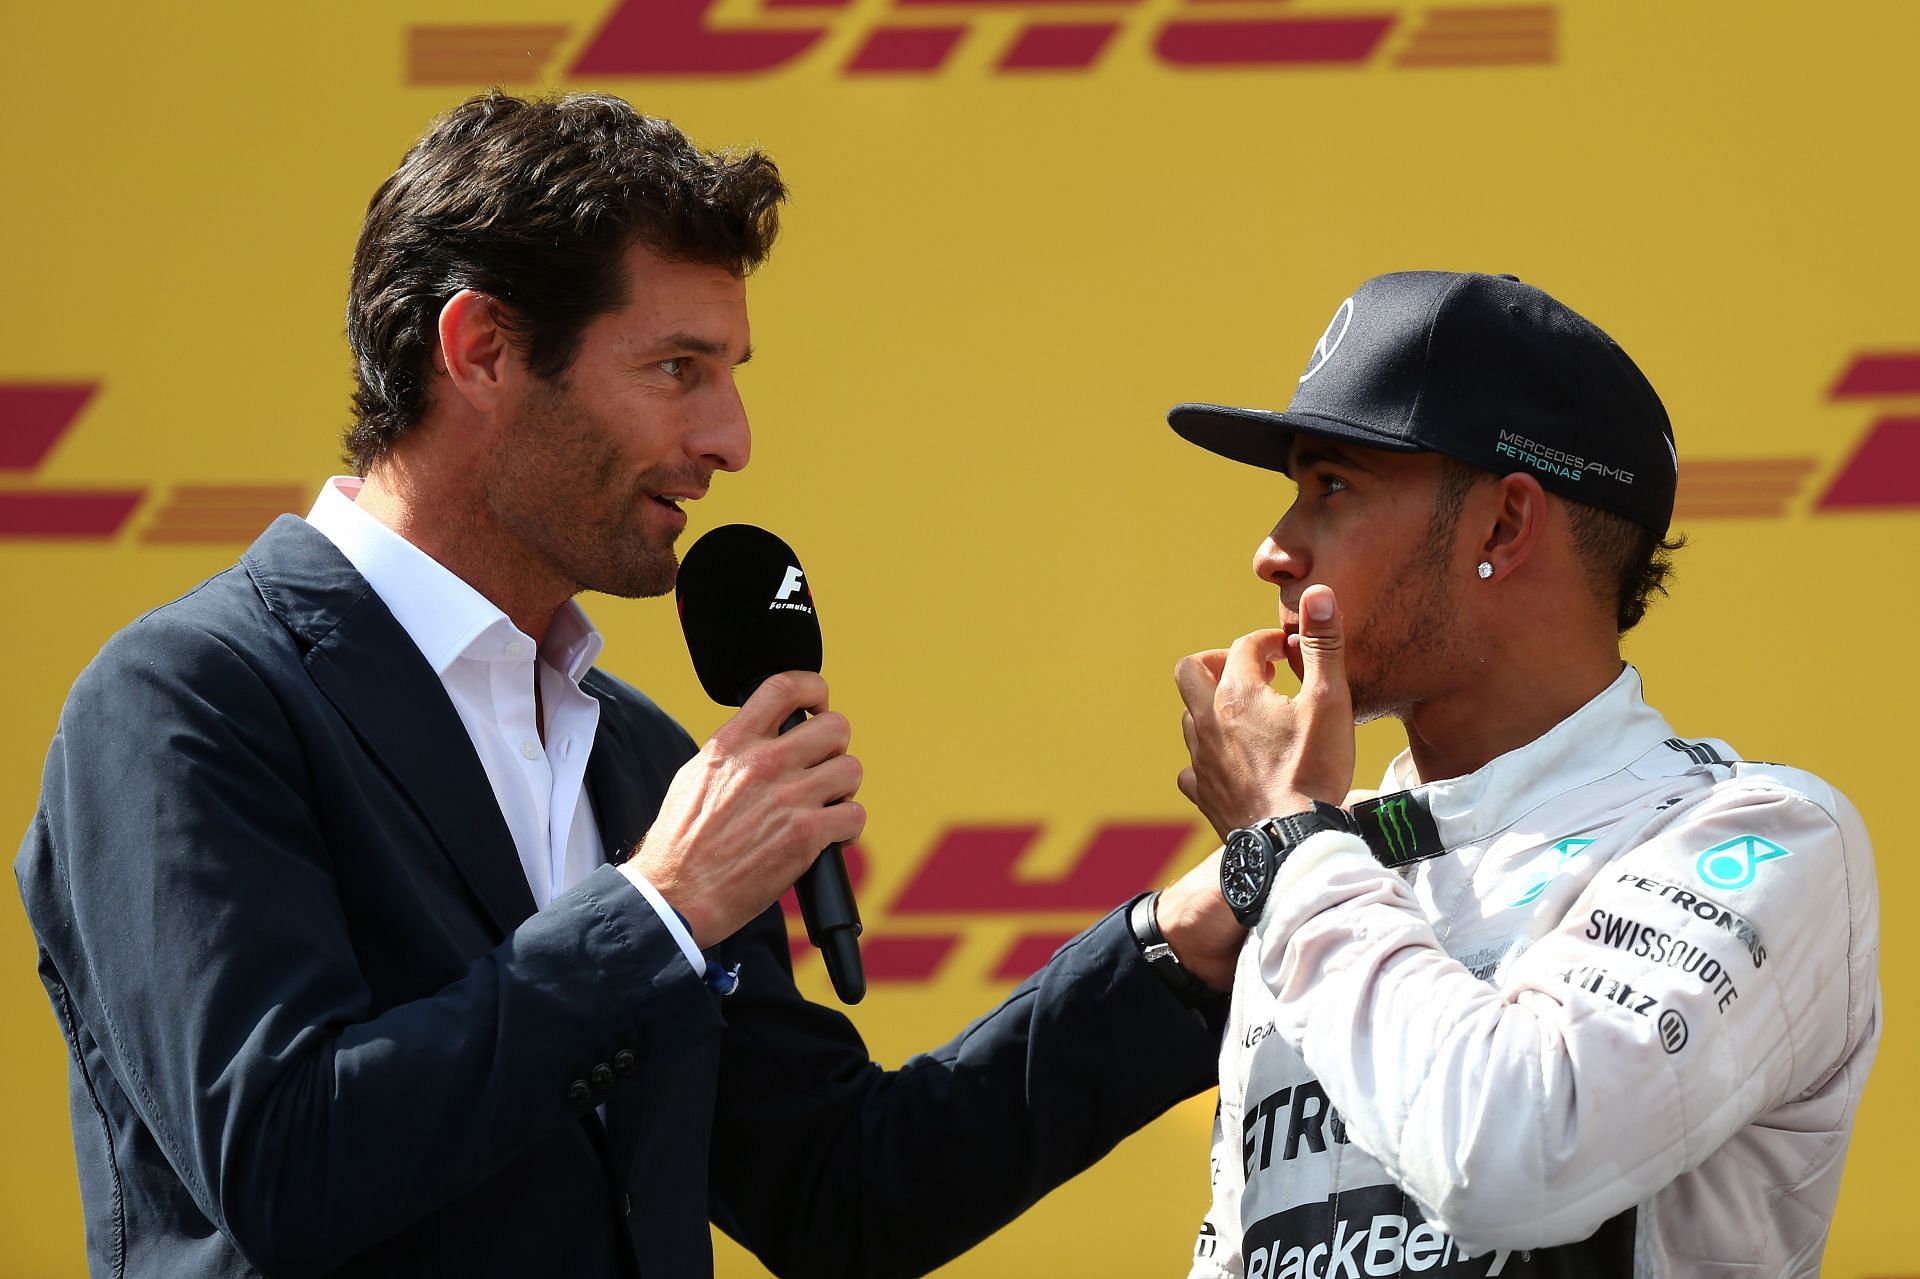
(671, 37)
(1273, 41)
(856, 875)
(1883, 473)
(971, 870)
(475, 55)
(221, 514)
(1730, 488)
(1887, 374)
(1029, 954)
(1046, 46)
(1482, 37)
(87, 515)
(907, 958)
(901, 959)
(33, 417)
(1013, 4)
(905, 49)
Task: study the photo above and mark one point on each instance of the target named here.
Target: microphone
(748, 614)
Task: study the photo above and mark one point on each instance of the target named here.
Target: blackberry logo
(1374, 1230)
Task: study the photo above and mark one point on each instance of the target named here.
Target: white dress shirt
(488, 667)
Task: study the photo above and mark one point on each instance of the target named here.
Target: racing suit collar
(1600, 738)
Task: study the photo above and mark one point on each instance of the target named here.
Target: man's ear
(1514, 512)
(475, 351)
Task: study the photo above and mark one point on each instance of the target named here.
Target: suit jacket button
(603, 1076)
(578, 1093)
(624, 1061)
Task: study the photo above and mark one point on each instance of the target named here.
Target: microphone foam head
(747, 611)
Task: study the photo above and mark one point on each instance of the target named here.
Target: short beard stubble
(1415, 627)
(564, 493)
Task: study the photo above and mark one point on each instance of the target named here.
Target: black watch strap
(1166, 965)
(1289, 831)
(1252, 856)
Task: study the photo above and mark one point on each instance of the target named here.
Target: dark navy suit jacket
(317, 1027)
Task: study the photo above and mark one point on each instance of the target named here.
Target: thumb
(1323, 647)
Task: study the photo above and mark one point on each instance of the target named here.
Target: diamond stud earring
(1485, 570)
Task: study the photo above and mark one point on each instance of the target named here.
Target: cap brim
(1261, 437)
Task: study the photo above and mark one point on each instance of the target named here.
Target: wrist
(1202, 933)
(1160, 955)
(1251, 860)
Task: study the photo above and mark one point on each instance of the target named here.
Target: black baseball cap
(1482, 368)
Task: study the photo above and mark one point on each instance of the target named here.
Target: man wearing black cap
(1573, 994)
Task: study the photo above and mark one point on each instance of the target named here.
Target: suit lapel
(367, 665)
(624, 807)
(364, 662)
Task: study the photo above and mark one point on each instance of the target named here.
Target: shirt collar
(572, 642)
(1608, 733)
(445, 617)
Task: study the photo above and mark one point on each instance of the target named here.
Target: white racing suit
(1611, 1016)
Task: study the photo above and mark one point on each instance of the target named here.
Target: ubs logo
(1330, 340)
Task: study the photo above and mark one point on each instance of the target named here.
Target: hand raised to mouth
(1256, 752)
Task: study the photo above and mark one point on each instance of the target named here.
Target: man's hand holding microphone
(753, 809)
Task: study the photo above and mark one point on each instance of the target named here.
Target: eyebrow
(1330, 454)
(702, 346)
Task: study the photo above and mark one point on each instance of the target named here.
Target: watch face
(1243, 871)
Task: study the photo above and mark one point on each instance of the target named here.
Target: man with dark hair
(389, 936)
(1574, 995)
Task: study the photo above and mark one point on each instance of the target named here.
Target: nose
(722, 438)
(1280, 559)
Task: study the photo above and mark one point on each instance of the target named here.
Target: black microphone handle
(831, 915)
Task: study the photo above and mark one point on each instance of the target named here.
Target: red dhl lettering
(685, 38)
(1881, 473)
(36, 416)
(973, 871)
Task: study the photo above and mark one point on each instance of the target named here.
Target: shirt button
(530, 748)
(518, 649)
(578, 1093)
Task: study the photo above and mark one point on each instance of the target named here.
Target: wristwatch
(1253, 855)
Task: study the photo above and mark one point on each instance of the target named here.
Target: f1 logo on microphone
(794, 583)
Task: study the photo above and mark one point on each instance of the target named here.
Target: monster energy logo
(1399, 828)
(1395, 828)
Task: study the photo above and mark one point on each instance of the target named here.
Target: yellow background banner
(1019, 231)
